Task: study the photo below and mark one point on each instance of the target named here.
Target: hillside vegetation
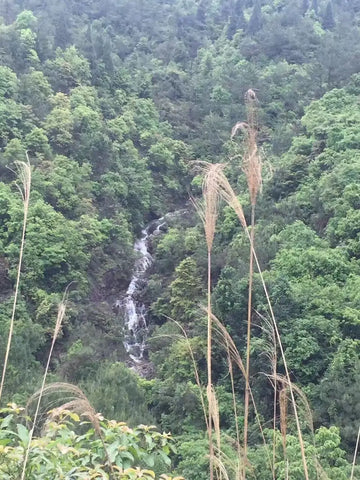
(121, 105)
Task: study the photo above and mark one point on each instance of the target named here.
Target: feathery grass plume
(238, 209)
(224, 464)
(59, 319)
(215, 418)
(283, 399)
(307, 414)
(287, 373)
(23, 171)
(251, 166)
(227, 341)
(223, 187)
(268, 328)
(196, 372)
(220, 466)
(209, 213)
(77, 402)
(251, 163)
(209, 209)
(236, 417)
(355, 455)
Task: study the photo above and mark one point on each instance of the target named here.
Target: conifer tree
(315, 6)
(236, 20)
(200, 14)
(239, 14)
(232, 27)
(255, 22)
(227, 9)
(328, 20)
(305, 6)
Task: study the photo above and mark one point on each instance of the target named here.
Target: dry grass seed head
(76, 401)
(228, 342)
(302, 397)
(23, 171)
(215, 416)
(224, 190)
(210, 208)
(78, 404)
(270, 345)
(234, 467)
(252, 164)
(60, 316)
(283, 399)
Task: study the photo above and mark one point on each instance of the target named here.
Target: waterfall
(135, 314)
(135, 322)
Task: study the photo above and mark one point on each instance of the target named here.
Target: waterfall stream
(135, 321)
(134, 310)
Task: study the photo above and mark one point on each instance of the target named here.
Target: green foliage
(64, 448)
(192, 453)
(29, 336)
(122, 394)
(68, 70)
(339, 390)
(113, 100)
(324, 456)
(185, 291)
(65, 185)
(8, 82)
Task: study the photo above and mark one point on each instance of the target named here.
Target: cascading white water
(136, 327)
(135, 324)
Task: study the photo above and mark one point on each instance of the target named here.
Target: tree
(8, 82)
(201, 13)
(239, 14)
(185, 291)
(328, 21)
(65, 185)
(26, 20)
(68, 70)
(35, 90)
(339, 390)
(59, 124)
(305, 6)
(256, 21)
(315, 6)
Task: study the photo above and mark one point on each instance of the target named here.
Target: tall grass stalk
(227, 193)
(209, 213)
(228, 342)
(196, 371)
(252, 168)
(236, 417)
(268, 328)
(59, 319)
(283, 400)
(24, 186)
(287, 374)
(355, 455)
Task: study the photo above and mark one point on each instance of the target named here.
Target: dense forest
(125, 111)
